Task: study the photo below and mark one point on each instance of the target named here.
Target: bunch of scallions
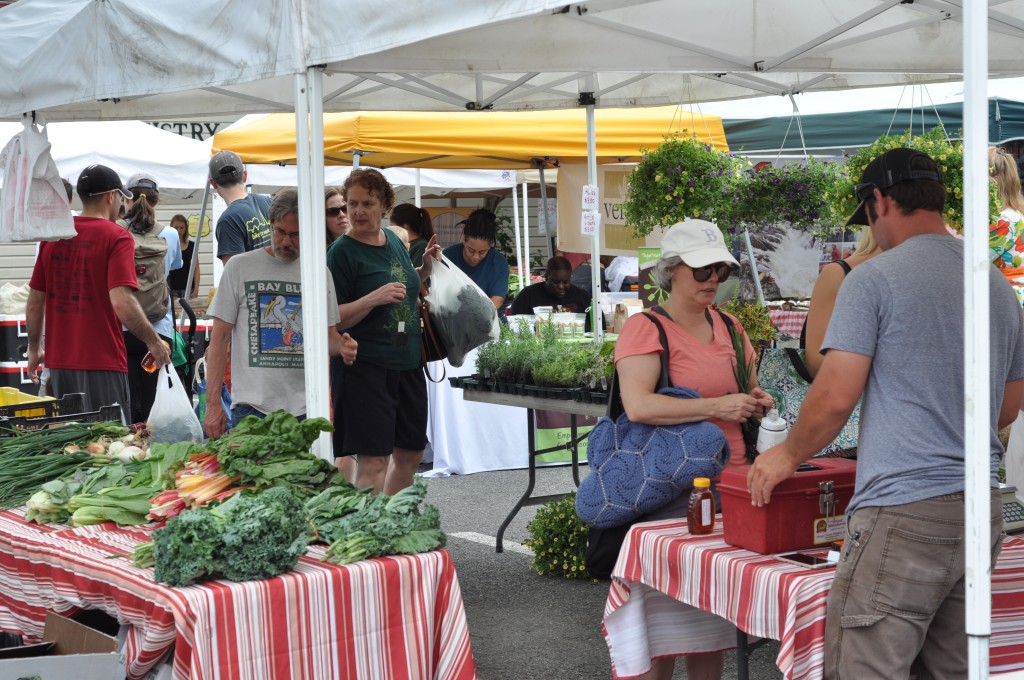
(31, 458)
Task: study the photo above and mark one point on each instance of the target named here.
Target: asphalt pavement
(524, 626)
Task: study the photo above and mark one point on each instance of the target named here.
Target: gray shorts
(897, 601)
(101, 388)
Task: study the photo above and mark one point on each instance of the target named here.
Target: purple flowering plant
(794, 194)
(683, 177)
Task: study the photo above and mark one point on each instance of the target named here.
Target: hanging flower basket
(681, 178)
(949, 155)
(794, 195)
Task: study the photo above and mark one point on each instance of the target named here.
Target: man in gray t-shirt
(896, 335)
(258, 327)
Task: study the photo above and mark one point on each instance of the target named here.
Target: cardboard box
(794, 519)
(74, 650)
(624, 310)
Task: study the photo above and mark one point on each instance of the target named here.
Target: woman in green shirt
(380, 401)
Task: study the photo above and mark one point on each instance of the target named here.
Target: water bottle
(773, 431)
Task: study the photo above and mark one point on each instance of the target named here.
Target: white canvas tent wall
(511, 54)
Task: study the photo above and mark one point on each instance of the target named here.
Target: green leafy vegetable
(250, 536)
(388, 525)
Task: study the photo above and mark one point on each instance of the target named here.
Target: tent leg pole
(526, 236)
(542, 213)
(195, 251)
(419, 190)
(309, 154)
(753, 268)
(977, 401)
(597, 320)
(515, 229)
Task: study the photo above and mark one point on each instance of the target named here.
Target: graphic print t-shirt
(262, 296)
(243, 226)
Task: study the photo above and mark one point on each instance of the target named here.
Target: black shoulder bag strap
(794, 356)
(615, 408)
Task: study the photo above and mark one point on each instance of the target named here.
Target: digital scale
(1013, 511)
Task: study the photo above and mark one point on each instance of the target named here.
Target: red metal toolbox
(804, 511)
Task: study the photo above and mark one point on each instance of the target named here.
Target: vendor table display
(759, 594)
(790, 322)
(573, 408)
(391, 617)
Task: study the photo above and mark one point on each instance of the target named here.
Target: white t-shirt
(261, 295)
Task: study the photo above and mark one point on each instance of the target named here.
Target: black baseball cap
(891, 168)
(226, 167)
(99, 179)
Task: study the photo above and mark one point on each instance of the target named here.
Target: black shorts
(377, 409)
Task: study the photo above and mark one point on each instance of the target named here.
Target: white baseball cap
(697, 243)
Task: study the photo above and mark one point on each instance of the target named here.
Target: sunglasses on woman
(702, 274)
(334, 212)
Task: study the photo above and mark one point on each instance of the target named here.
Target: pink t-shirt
(706, 369)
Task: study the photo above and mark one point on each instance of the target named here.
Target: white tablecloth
(469, 437)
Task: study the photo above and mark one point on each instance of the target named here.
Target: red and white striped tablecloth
(390, 618)
(790, 322)
(762, 596)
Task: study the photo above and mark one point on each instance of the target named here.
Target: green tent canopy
(832, 133)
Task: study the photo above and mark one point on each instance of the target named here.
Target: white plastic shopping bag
(172, 419)
(33, 204)
(461, 313)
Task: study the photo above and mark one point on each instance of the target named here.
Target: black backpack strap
(615, 408)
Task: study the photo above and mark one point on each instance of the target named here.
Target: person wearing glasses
(694, 262)
(335, 214)
(478, 258)
(89, 300)
(258, 327)
(555, 291)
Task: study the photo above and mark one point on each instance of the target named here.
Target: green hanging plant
(681, 178)
(948, 154)
(794, 194)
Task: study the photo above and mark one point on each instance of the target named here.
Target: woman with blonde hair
(1006, 236)
(823, 298)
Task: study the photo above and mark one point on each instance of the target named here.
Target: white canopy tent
(480, 54)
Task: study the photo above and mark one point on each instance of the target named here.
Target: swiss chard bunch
(274, 451)
(250, 536)
(388, 525)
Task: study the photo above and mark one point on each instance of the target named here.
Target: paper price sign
(589, 197)
(589, 221)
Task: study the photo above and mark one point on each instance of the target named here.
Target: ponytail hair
(141, 217)
(415, 220)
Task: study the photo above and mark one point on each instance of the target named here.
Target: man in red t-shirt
(85, 285)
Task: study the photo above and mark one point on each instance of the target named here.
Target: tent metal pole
(753, 268)
(977, 406)
(597, 320)
(542, 213)
(526, 236)
(309, 154)
(195, 251)
(418, 199)
(515, 230)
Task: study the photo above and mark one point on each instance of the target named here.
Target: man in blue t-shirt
(896, 606)
(243, 226)
(477, 257)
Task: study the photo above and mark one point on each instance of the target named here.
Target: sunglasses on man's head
(702, 274)
(334, 212)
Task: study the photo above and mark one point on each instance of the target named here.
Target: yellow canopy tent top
(479, 140)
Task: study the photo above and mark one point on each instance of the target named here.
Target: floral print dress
(1006, 248)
